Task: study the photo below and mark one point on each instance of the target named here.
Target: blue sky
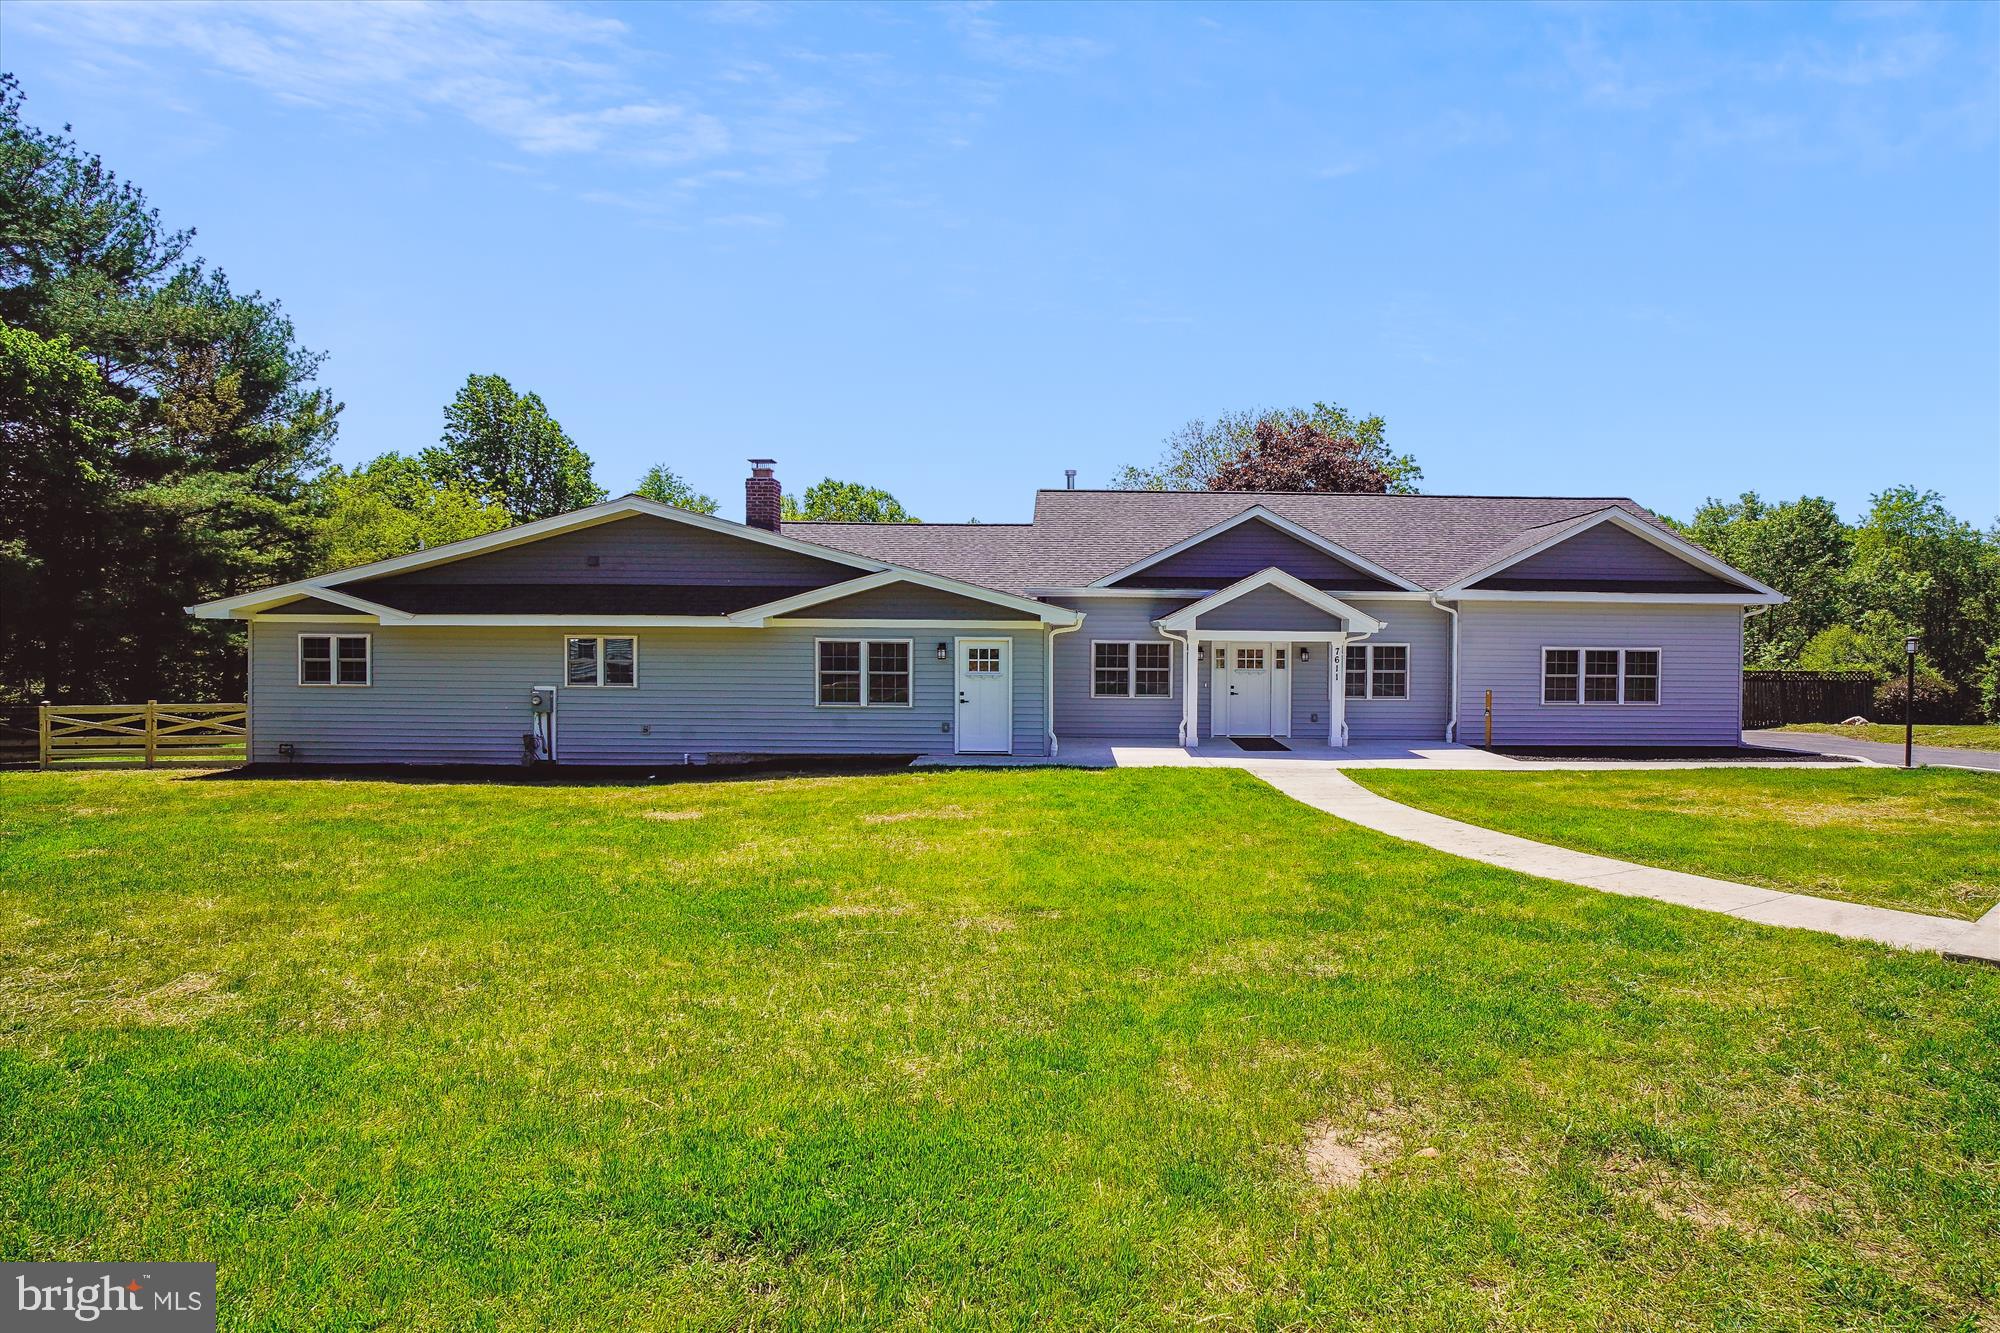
(952, 250)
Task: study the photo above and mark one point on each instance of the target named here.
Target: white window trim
(1409, 671)
(333, 662)
(1132, 669)
(600, 683)
(1659, 676)
(908, 644)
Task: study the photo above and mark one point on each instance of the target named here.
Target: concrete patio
(1146, 752)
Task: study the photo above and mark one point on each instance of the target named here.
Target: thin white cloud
(547, 78)
(1040, 53)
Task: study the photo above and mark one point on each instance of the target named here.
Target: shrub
(1936, 700)
(1986, 685)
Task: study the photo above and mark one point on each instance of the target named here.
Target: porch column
(1336, 690)
(1190, 684)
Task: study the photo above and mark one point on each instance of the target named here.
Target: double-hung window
(1131, 669)
(863, 673)
(333, 659)
(612, 660)
(1378, 671)
(1600, 675)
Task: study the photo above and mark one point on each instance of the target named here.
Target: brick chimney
(761, 495)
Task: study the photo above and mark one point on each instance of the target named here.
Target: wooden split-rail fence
(151, 730)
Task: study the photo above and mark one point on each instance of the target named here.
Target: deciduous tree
(391, 506)
(846, 502)
(505, 446)
(1324, 447)
(667, 486)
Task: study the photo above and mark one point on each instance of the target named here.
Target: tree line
(165, 439)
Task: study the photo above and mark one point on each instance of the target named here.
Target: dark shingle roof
(1079, 537)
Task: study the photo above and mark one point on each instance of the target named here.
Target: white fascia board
(1282, 524)
(520, 534)
(1640, 598)
(387, 615)
(1042, 611)
(1646, 532)
(1276, 635)
(1183, 620)
(577, 621)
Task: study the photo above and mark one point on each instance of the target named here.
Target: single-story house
(631, 632)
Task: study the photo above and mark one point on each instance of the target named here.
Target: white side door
(1247, 684)
(985, 721)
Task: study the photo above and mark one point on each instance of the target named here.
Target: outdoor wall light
(943, 649)
(1305, 653)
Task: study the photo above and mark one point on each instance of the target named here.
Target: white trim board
(833, 592)
(1282, 524)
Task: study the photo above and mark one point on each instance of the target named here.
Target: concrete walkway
(1874, 751)
(1325, 787)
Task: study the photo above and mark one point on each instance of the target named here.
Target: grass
(1046, 1049)
(1951, 737)
(1924, 841)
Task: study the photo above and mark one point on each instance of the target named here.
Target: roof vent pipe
(1069, 475)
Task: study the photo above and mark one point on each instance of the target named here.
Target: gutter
(1451, 727)
(1049, 661)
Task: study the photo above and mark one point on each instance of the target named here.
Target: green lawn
(965, 1049)
(1955, 737)
(1924, 841)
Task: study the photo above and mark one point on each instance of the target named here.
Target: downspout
(1049, 698)
(1187, 646)
(1748, 612)
(1451, 727)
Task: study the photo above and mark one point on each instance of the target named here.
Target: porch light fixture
(1305, 653)
(1909, 697)
(943, 650)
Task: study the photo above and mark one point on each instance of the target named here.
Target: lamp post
(1909, 695)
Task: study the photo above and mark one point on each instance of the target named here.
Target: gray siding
(1244, 550)
(1267, 608)
(1424, 715)
(1605, 553)
(459, 695)
(1420, 717)
(640, 549)
(907, 601)
(1701, 673)
(1128, 618)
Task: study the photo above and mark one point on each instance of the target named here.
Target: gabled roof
(1548, 536)
(1259, 513)
(576, 603)
(1079, 538)
(1357, 622)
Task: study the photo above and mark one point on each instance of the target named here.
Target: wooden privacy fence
(1773, 698)
(151, 729)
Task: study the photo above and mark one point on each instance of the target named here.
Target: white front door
(985, 696)
(1245, 690)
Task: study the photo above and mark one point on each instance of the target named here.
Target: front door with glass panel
(985, 696)
(1243, 690)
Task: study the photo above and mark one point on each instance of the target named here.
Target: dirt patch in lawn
(1339, 1158)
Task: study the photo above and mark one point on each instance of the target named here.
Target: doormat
(1257, 743)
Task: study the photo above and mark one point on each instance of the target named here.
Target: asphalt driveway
(1818, 743)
